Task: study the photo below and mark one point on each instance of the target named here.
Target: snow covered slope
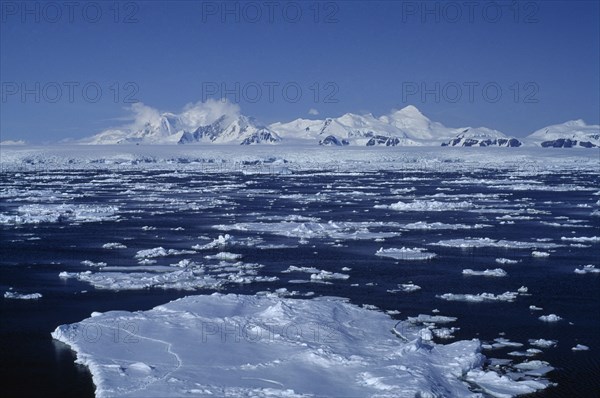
(482, 136)
(266, 346)
(574, 133)
(405, 127)
(348, 129)
(169, 128)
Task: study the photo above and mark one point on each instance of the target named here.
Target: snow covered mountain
(348, 129)
(405, 127)
(574, 133)
(170, 128)
(482, 136)
(216, 122)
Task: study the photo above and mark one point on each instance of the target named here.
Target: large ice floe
(309, 230)
(267, 346)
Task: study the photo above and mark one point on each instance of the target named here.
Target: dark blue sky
(345, 56)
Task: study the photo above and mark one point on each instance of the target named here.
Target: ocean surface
(53, 220)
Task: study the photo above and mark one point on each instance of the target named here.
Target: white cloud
(143, 114)
(192, 116)
(203, 113)
(313, 111)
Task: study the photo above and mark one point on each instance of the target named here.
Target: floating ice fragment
(540, 254)
(89, 263)
(114, 245)
(227, 256)
(427, 205)
(581, 239)
(498, 272)
(21, 296)
(507, 261)
(160, 252)
(543, 343)
(580, 347)
(550, 318)
(479, 298)
(405, 253)
(587, 269)
(406, 288)
(326, 275)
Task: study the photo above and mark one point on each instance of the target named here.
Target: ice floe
(160, 252)
(310, 230)
(230, 345)
(507, 261)
(581, 239)
(114, 245)
(22, 296)
(479, 298)
(580, 347)
(405, 288)
(497, 272)
(587, 269)
(187, 276)
(405, 253)
(487, 242)
(64, 213)
(427, 205)
(543, 343)
(540, 254)
(550, 318)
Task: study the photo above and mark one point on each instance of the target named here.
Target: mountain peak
(411, 111)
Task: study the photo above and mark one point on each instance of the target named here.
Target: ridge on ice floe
(226, 345)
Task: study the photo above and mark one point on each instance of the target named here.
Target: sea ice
(479, 298)
(550, 318)
(427, 205)
(405, 253)
(580, 347)
(231, 345)
(587, 269)
(543, 343)
(507, 261)
(581, 239)
(21, 296)
(487, 242)
(64, 213)
(497, 272)
(114, 245)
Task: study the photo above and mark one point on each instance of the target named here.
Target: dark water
(33, 364)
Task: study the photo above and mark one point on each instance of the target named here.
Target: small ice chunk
(498, 272)
(523, 289)
(587, 269)
(226, 256)
(535, 308)
(114, 245)
(326, 275)
(20, 296)
(540, 254)
(580, 347)
(543, 343)
(406, 288)
(550, 318)
(506, 261)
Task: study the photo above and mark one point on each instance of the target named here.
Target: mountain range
(404, 127)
